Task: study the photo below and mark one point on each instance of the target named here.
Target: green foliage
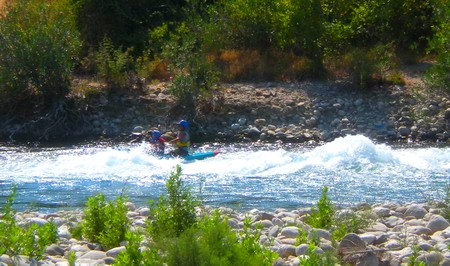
(369, 66)
(36, 238)
(302, 237)
(317, 259)
(105, 222)
(213, 242)
(249, 239)
(181, 239)
(94, 220)
(322, 216)
(438, 76)
(301, 29)
(243, 24)
(445, 204)
(413, 261)
(38, 44)
(195, 77)
(71, 258)
(114, 66)
(351, 222)
(174, 213)
(339, 223)
(133, 255)
(407, 23)
(30, 241)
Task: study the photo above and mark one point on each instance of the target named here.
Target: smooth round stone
(416, 211)
(381, 212)
(94, 255)
(290, 232)
(114, 252)
(437, 223)
(286, 250)
(302, 249)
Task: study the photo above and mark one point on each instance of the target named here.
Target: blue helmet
(156, 134)
(184, 124)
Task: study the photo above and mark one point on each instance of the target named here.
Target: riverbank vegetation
(196, 45)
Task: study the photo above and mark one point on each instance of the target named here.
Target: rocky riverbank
(288, 112)
(395, 235)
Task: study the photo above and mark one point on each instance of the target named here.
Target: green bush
(301, 27)
(133, 255)
(175, 212)
(114, 66)
(438, 76)
(16, 240)
(326, 217)
(317, 259)
(105, 222)
(372, 66)
(195, 77)
(322, 216)
(213, 242)
(351, 222)
(38, 46)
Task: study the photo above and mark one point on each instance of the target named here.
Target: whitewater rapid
(355, 169)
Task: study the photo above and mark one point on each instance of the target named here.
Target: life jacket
(184, 140)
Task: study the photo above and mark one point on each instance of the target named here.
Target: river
(243, 177)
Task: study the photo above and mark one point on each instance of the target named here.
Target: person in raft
(158, 142)
(182, 141)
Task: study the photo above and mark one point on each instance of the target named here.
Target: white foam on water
(351, 153)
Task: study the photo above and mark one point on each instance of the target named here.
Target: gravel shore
(396, 233)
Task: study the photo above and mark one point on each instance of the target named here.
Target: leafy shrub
(351, 222)
(339, 223)
(195, 77)
(213, 242)
(30, 241)
(406, 23)
(438, 76)
(38, 44)
(105, 222)
(301, 28)
(174, 213)
(371, 66)
(133, 255)
(114, 66)
(322, 216)
(317, 259)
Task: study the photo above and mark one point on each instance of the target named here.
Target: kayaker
(182, 141)
(158, 142)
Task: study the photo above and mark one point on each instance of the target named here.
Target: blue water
(243, 177)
